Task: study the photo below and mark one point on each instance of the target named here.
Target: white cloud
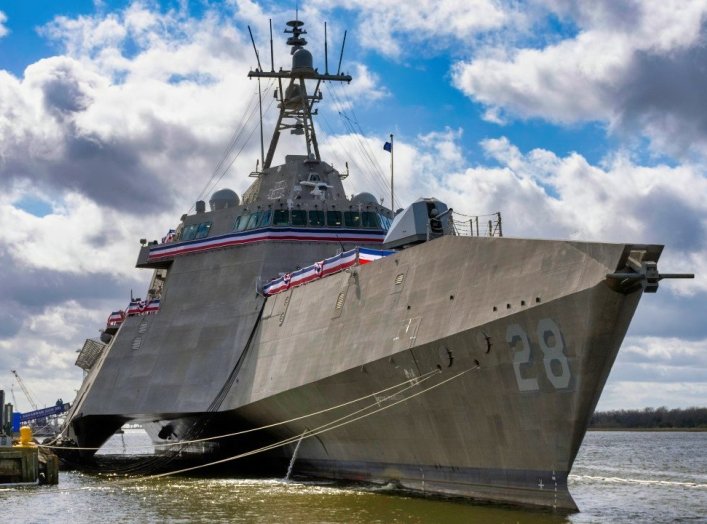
(49, 342)
(675, 368)
(117, 127)
(78, 238)
(642, 394)
(630, 65)
(386, 25)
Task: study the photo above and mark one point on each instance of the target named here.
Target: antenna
(254, 48)
(341, 56)
(296, 106)
(392, 193)
(260, 95)
(326, 53)
(272, 56)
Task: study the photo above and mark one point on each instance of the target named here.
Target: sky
(577, 120)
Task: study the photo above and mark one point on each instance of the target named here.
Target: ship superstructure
(479, 360)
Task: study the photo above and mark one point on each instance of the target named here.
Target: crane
(24, 390)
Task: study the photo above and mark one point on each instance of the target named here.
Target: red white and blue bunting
(136, 307)
(339, 235)
(143, 307)
(323, 268)
(116, 318)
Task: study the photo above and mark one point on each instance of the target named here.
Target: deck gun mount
(640, 273)
(424, 219)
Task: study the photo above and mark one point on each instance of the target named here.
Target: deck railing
(459, 224)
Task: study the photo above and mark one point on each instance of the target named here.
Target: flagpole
(392, 193)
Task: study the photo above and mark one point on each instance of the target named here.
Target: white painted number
(548, 332)
(514, 334)
(551, 344)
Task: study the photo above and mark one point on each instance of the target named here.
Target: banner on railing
(323, 268)
(136, 307)
(116, 318)
(143, 307)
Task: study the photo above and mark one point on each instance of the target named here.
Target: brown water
(618, 477)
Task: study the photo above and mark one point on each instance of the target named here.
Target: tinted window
(264, 218)
(299, 217)
(253, 220)
(370, 219)
(189, 232)
(352, 219)
(281, 217)
(316, 218)
(333, 218)
(203, 230)
(237, 223)
(242, 222)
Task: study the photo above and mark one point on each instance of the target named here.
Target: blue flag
(388, 147)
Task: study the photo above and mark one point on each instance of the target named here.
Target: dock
(26, 464)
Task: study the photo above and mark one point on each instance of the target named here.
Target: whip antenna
(272, 56)
(326, 52)
(341, 55)
(260, 93)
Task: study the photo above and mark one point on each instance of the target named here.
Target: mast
(295, 104)
(260, 96)
(392, 193)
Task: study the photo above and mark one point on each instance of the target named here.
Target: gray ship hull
(518, 336)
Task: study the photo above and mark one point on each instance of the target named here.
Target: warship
(376, 346)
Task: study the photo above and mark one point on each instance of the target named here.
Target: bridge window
(281, 217)
(203, 230)
(264, 219)
(241, 223)
(333, 218)
(189, 232)
(370, 219)
(299, 217)
(253, 220)
(316, 218)
(352, 219)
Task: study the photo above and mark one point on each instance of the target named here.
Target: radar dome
(364, 198)
(302, 60)
(222, 199)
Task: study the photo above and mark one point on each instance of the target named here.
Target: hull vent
(340, 301)
(90, 352)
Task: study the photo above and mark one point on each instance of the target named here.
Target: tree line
(650, 418)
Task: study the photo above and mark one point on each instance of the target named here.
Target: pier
(26, 464)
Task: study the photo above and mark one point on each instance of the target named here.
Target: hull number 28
(552, 345)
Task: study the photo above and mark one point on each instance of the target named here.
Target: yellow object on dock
(26, 438)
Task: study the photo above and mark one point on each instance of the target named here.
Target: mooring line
(311, 433)
(306, 434)
(415, 380)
